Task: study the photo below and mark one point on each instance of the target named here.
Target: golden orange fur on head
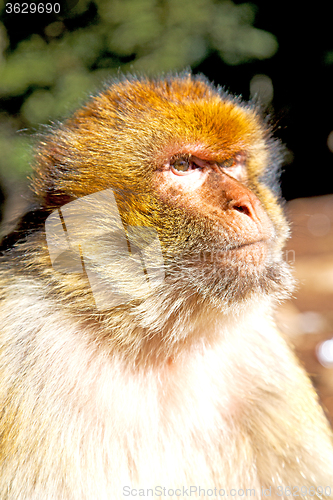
(135, 125)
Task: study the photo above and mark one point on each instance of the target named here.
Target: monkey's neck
(162, 336)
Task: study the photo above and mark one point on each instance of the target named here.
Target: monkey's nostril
(242, 208)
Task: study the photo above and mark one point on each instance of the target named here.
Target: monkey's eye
(228, 163)
(183, 166)
(235, 166)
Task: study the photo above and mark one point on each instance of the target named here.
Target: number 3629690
(32, 8)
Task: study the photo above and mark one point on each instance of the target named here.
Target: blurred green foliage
(47, 74)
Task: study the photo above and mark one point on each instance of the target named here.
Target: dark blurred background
(279, 51)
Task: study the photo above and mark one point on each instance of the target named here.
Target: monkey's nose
(238, 198)
(247, 204)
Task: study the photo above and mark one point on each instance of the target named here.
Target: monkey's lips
(247, 254)
(250, 246)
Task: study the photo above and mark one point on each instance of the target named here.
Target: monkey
(139, 354)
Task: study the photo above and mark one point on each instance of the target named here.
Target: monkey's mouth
(249, 244)
(252, 253)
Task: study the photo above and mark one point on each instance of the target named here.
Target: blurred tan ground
(308, 317)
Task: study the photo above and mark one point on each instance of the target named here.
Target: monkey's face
(216, 194)
(187, 162)
(225, 239)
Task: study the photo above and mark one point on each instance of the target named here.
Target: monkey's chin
(231, 276)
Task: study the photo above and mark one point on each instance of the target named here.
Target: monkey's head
(190, 163)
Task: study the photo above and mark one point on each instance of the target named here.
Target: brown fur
(191, 384)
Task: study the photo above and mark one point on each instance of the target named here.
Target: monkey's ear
(46, 187)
